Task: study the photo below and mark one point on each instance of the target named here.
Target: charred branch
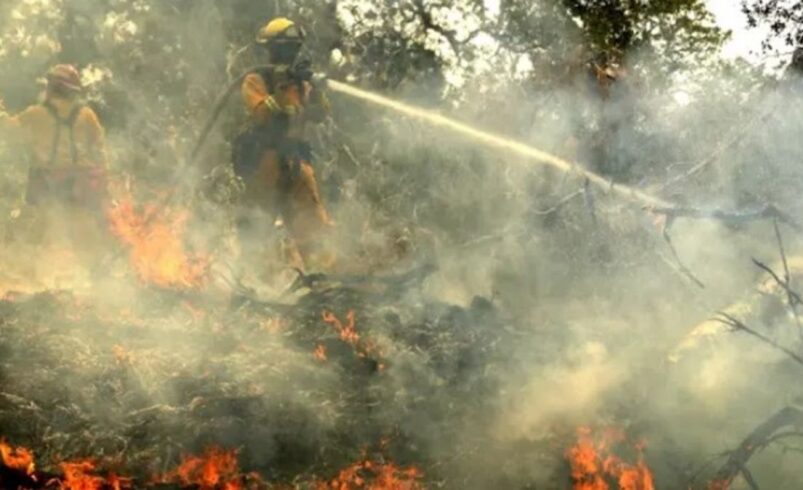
(738, 326)
(679, 265)
(559, 205)
(756, 441)
(391, 285)
(787, 279)
(736, 139)
(793, 296)
(728, 217)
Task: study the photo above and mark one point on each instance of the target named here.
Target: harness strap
(287, 161)
(289, 155)
(69, 122)
(56, 134)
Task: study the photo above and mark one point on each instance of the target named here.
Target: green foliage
(784, 18)
(622, 25)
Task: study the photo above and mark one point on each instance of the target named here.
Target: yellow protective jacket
(284, 176)
(57, 134)
(311, 105)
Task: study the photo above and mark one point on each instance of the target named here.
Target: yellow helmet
(280, 27)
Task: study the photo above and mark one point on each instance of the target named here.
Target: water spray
(500, 142)
(433, 118)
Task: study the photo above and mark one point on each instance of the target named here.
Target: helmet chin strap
(281, 55)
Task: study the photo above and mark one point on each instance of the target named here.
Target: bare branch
(757, 440)
(731, 217)
(736, 138)
(558, 205)
(679, 263)
(793, 295)
(787, 279)
(738, 326)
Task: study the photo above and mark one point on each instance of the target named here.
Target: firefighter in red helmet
(66, 153)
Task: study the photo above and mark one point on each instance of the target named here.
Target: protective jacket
(65, 143)
(273, 155)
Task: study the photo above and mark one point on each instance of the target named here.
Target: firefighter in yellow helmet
(66, 153)
(273, 155)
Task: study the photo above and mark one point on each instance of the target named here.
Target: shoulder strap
(76, 111)
(70, 123)
(54, 146)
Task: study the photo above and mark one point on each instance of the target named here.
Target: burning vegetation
(161, 387)
(595, 465)
(214, 469)
(156, 244)
(315, 283)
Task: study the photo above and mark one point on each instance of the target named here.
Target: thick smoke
(555, 304)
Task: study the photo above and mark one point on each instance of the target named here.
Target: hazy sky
(744, 42)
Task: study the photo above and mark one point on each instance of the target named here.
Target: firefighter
(273, 156)
(65, 145)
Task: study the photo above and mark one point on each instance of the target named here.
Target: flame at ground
(594, 465)
(157, 247)
(77, 475)
(348, 332)
(320, 352)
(17, 458)
(122, 356)
(81, 475)
(215, 468)
(369, 475)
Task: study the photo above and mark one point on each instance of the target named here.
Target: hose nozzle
(319, 80)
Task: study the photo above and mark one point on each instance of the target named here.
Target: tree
(784, 18)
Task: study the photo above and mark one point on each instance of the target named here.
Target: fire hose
(438, 120)
(499, 142)
(645, 200)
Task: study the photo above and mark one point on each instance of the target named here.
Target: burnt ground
(135, 387)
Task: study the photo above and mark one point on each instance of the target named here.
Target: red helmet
(65, 77)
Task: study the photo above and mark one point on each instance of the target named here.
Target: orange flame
(122, 356)
(348, 333)
(118, 482)
(80, 475)
(273, 325)
(77, 476)
(369, 475)
(320, 352)
(593, 464)
(218, 469)
(17, 458)
(157, 248)
(215, 469)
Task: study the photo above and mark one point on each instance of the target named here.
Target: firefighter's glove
(275, 108)
(272, 105)
(302, 71)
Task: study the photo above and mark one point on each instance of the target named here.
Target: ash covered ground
(300, 390)
(491, 322)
